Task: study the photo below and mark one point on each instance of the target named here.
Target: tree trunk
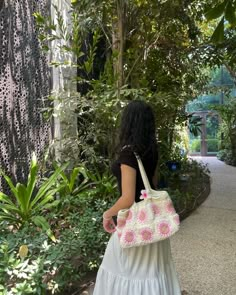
(118, 42)
(121, 34)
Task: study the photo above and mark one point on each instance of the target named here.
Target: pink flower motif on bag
(130, 216)
(170, 208)
(142, 216)
(144, 195)
(129, 237)
(164, 229)
(146, 234)
(155, 209)
(121, 222)
(176, 219)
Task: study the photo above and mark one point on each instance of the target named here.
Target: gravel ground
(204, 249)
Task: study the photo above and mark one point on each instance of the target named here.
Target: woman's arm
(128, 188)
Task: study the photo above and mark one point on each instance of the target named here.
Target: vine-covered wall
(24, 87)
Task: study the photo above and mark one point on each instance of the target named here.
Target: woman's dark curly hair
(137, 128)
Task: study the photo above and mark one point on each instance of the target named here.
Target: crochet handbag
(148, 221)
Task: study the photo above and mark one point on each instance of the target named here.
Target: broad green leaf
(73, 177)
(10, 209)
(52, 27)
(47, 193)
(4, 198)
(8, 217)
(80, 54)
(216, 11)
(83, 186)
(32, 178)
(42, 204)
(53, 204)
(39, 18)
(22, 196)
(88, 66)
(11, 185)
(83, 171)
(218, 35)
(92, 176)
(2, 287)
(41, 222)
(230, 14)
(63, 175)
(48, 183)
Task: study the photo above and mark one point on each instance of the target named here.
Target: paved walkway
(204, 249)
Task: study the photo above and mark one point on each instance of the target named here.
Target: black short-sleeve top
(127, 157)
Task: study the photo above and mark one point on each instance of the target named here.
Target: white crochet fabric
(151, 220)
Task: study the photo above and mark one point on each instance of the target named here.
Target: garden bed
(202, 192)
(31, 262)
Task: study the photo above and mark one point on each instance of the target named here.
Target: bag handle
(143, 173)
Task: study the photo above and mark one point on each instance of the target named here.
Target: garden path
(204, 249)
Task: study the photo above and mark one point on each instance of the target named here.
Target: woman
(146, 270)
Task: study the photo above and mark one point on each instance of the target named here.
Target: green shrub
(27, 202)
(19, 275)
(212, 145)
(186, 185)
(226, 156)
(222, 154)
(80, 238)
(194, 167)
(195, 146)
(81, 242)
(77, 225)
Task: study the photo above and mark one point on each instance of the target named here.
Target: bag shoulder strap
(141, 169)
(143, 173)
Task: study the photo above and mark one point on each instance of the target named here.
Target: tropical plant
(195, 124)
(18, 275)
(226, 156)
(227, 113)
(89, 186)
(226, 11)
(104, 185)
(212, 145)
(119, 59)
(70, 183)
(27, 202)
(195, 146)
(47, 267)
(77, 224)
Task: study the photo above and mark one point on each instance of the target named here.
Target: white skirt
(146, 270)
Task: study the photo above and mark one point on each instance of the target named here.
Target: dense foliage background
(158, 51)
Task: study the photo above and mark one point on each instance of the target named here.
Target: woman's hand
(108, 224)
